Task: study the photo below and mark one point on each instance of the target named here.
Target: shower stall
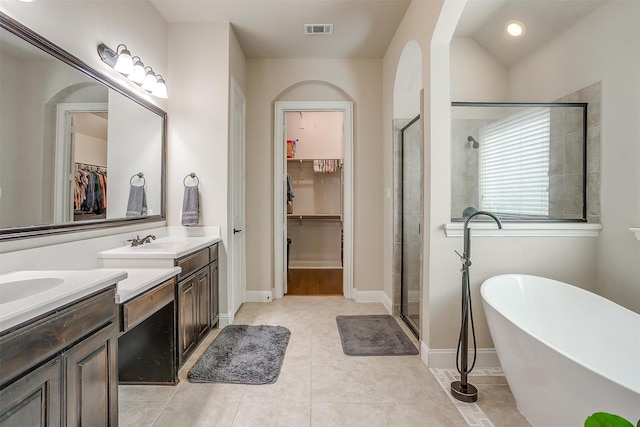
(411, 220)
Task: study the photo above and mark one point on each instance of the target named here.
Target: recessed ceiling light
(25, 1)
(515, 28)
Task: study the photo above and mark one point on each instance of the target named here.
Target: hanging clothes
(90, 189)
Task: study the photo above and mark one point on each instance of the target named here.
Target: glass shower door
(411, 224)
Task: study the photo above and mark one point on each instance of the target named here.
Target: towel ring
(192, 175)
(139, 175)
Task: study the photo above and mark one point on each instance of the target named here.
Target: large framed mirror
(72, 143)
(520, 161)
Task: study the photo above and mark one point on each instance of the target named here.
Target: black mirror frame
(40, 42)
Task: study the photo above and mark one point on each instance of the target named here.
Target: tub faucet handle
(465, 260)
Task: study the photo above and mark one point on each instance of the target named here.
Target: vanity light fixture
(515, 28)
(133, 67)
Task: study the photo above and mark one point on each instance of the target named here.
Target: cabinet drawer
(193, 262)
(54, 332)
(138, 309)
(213, 252)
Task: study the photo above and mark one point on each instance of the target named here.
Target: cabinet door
(187, 318)
(92, 380)
(33, 400)
(215, 305)
(203, 317)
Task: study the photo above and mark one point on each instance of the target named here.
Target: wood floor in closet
(314, 281)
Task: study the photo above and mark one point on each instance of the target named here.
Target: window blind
(514, 164)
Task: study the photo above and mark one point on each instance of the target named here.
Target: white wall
(199, 126)
(417, 24)
(604, 46)
(79, 26)
(476, 75)
(360, 80)
(319, 134)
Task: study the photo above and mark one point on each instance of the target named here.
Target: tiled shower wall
(592, 95)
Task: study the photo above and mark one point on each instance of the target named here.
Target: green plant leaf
(603, 419)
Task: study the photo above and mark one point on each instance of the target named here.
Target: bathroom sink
(161, 246)
(19, 289)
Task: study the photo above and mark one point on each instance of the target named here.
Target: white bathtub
(566, 352)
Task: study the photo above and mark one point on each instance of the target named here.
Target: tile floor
(320, 386)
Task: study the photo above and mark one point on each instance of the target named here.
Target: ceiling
(274, 28)
(484, 21)
(364, 28)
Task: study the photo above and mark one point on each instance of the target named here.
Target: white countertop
(140, 280)
(170, 247)
(70, 285)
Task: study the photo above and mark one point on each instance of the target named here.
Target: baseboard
(223, 320)
(258, 296)
(446, 358)
(373, 296)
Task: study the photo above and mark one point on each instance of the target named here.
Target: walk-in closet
(314, 202)
(88, 133)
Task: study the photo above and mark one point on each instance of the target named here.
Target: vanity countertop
(140, 280)
(25, 295)
(170, 247)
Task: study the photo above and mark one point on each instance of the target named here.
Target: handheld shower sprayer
(476, 144)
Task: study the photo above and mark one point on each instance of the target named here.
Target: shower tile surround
(565, 157)
(320, 386)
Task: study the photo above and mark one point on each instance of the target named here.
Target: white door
(238, 251)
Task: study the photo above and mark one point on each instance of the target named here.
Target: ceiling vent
(318, 28)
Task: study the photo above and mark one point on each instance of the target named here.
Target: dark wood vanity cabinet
(61, 368)
(197, 298)
(147, 352)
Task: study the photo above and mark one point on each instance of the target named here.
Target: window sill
(526, 229)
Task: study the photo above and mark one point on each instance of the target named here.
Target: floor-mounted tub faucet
(462, 390)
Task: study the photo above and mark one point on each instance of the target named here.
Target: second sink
(19, 289)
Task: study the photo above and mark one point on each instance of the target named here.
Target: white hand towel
(190, 205)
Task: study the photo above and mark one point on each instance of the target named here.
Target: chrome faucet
(138, 241)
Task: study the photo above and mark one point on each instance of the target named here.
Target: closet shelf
(314, 216)
(307, 160)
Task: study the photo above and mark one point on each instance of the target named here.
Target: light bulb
(149, 80)
(161, 88)
(515, 28)
(138, 74)
(124, 64)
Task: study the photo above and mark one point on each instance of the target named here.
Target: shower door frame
(415, 328)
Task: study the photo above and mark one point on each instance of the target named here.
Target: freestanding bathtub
(565, 352)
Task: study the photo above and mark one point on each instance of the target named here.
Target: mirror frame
(584, 107)
(57, 52)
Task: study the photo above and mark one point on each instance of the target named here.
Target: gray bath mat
(243, 354)
(373, 335)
